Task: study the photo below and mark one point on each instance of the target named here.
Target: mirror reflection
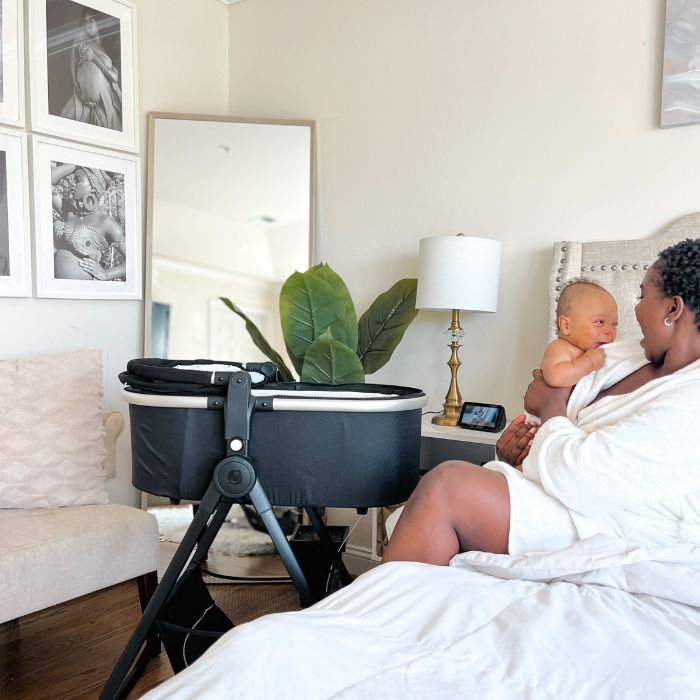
(230, 214)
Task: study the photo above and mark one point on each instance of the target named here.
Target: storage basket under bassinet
(351, 446)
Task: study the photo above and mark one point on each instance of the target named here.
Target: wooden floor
(68, 651)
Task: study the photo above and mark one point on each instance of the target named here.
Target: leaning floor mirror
(230, 214)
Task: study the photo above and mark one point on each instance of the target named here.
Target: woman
(89, 243)
(97, 97)
(620, 458)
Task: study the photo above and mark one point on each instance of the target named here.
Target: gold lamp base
(453, 401)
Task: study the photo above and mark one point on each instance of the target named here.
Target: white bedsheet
(597, 620)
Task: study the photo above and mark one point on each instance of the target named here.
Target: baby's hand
(596, 357)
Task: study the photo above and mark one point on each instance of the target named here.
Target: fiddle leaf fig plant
(324, 339)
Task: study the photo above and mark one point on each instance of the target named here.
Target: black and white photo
(11, 63)
(83, 81)
(88, 223)
(84, 64)
(88, 240)
(15, 275)
(680, 98)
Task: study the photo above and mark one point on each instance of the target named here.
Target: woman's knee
(445, 478)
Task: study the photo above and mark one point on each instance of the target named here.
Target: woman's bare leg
(457, 507)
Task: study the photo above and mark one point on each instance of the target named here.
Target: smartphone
(488, 417)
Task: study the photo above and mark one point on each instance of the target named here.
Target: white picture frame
(12, 68)
(82, 59)
(15, 249)
(88, 220)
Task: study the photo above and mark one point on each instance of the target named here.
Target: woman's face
(82, 185)
(89, 25)
(651, 310)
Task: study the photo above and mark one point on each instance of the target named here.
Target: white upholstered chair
(55, 552)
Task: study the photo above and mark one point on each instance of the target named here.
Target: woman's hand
(514, 444)
(545, 401)
(93, 268)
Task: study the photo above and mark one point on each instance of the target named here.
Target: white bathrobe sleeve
(626, 450)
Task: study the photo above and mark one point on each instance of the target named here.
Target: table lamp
(457, 272)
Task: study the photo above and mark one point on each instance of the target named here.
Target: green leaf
(330, 276)
(382, 326)
(308, 307)
(328, 361)
(260, 342)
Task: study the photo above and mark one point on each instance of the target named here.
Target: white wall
(182, 58)
(528, 122)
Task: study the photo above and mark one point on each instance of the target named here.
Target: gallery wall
(182, 67)
(527, 122)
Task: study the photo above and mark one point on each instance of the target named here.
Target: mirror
(230, 213)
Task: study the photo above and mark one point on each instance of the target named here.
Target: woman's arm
(637, 449)
(543, 400)
(102, 61)
(58, 172)
(92, 267)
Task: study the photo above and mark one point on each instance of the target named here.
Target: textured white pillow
(52, 440)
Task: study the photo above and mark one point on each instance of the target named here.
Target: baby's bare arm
(563, 364)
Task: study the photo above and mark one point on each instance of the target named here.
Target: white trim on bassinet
(294, 401)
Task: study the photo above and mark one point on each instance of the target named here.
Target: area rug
(236, 537)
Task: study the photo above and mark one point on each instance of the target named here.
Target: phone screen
(482, 417)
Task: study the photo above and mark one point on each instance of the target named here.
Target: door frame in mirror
(153, 117)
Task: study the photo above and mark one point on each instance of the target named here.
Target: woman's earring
(667, 323)
(90, 203)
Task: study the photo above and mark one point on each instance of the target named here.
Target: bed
(598, 620)
(602, 618)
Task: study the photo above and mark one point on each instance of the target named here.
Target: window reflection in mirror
(230, 214)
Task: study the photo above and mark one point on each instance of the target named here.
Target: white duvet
(599, 619)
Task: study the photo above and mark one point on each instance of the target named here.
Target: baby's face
(592, 320)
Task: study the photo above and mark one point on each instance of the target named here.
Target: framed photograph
(11, 63)
(87, 223)
(82, 60)
(680, 97)
(15, 265)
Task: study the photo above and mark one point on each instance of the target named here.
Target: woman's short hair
(679, 274)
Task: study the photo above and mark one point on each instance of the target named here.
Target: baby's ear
(564, 323)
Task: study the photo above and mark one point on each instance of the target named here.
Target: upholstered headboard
(619, 266)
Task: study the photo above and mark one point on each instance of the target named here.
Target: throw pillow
(52, 440)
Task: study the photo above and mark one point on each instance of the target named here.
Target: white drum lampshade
(458, 272)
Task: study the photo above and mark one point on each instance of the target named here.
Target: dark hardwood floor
(68, 651)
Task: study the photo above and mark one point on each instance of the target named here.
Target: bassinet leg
(259, 499)
(147, 584)
(329, 547)
(200, 535)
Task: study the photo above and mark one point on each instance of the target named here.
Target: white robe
(627, 465)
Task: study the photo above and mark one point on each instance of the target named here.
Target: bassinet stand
(234, 478)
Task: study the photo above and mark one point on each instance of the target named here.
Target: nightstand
(440, 443)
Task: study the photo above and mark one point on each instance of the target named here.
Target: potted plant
(325, 341)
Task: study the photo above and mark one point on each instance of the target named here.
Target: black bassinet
(347, 446)
(222, 432)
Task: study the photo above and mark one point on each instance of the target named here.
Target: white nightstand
(441, 442)
(438, 443)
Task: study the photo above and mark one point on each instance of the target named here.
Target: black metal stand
(234, 478)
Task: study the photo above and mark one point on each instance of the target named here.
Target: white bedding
(596, 620)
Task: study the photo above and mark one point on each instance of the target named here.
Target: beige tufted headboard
(619, 266)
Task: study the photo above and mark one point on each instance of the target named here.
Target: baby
(586, 320)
